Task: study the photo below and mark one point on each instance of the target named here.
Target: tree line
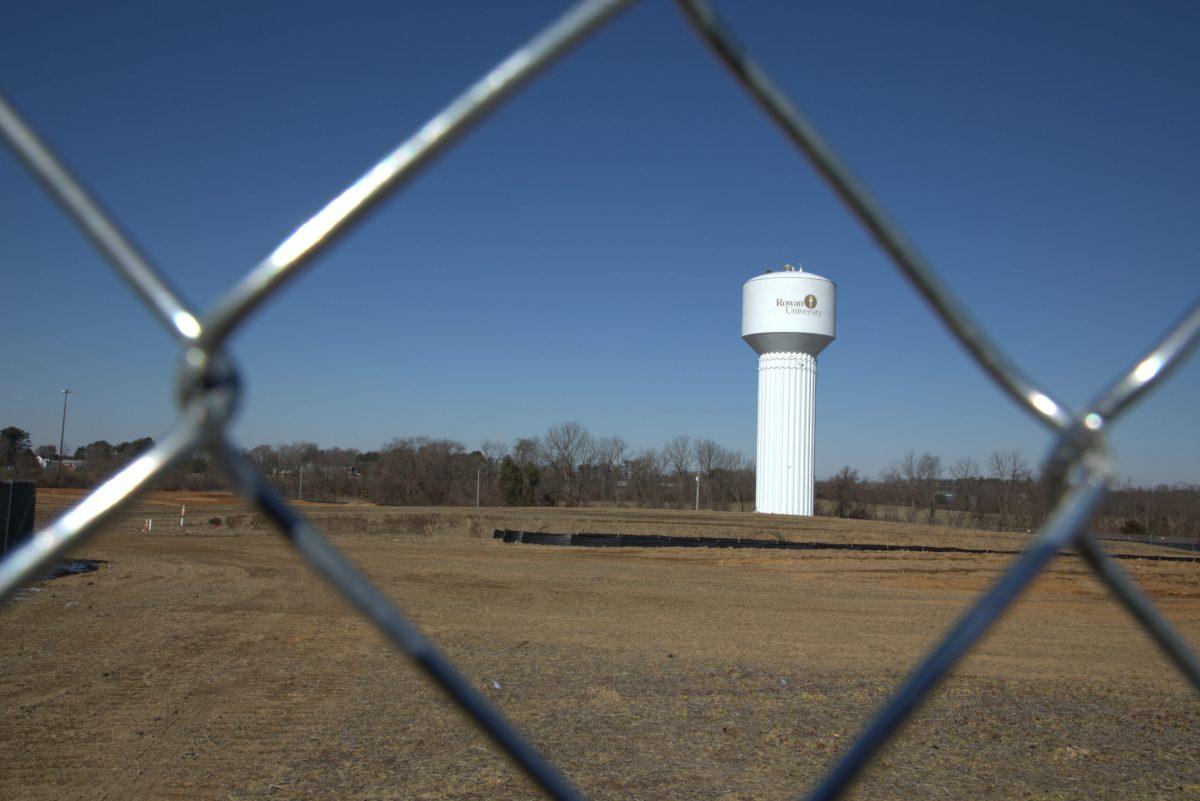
(1003, 494)
(567, 465)
(88, 463)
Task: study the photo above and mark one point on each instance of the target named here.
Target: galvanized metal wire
(1078, 466)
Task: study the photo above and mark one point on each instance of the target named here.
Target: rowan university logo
(811, 302)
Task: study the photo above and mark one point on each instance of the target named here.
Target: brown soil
(208, 662)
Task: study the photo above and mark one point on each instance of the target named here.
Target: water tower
(788, 318)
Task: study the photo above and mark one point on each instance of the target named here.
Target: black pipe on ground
(588, 540)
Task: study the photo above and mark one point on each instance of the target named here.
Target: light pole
(697, 492)
(62, 434)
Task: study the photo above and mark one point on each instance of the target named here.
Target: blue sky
(580, 255)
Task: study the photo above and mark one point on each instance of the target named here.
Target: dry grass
(220, 667)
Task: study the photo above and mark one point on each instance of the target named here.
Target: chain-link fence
(208, 389)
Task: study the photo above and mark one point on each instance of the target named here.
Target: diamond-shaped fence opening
(1078, 465)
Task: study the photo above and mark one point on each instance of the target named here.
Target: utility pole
(478, 468)
(300, 494)
(697, 492)
(62, 434)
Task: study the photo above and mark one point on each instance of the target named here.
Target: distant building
(69, 464)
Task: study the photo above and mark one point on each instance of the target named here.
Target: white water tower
(788, 318)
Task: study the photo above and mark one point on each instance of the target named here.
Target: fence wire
(1079, 468)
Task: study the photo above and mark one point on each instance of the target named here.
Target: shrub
(1132, 526)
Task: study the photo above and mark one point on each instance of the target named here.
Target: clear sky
(581, 255)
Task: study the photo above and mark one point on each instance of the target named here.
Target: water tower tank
(788, 318)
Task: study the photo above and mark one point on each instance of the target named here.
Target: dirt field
(207, 662)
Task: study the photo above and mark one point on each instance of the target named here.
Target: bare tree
(743, 482)
(965, 473)
(609, 455)
(929, 473)
(844, 488)
(493, 451)
(908, 471)
(1009, 470)
(718, 468)
(914, 480)
(567, 446)
(892, 491)
(646, 477)
(294, 458)
(709, 456)
(527, 450)
(723, 477)
(680, 456)
(266, 458)
(332, 474)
